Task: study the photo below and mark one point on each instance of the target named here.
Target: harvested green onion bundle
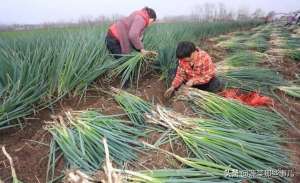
(234, 44)
(233, 112)
(257, 42)
(205, 169)
(130, 68)
(81, 142)
(252, 79)
(293, 91)
(186, 175)
(293, 54)
(134, 106)
(244, 58)
(222, 144)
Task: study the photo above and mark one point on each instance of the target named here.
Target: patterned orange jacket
(200, 71)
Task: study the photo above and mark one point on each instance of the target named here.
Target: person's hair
(185, 49)
(151, 12)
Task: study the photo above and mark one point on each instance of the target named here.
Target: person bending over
(126, 34)
(195, 69)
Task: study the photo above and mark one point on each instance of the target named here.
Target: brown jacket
(129, 30)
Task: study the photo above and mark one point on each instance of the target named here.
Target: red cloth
(201, 70)
(252, 98)
(113, 31)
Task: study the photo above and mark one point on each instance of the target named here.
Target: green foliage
(41, 66)
(79, 139)
(39, 69)
(234, 113)
(223, 144)
(252, 79)
(186, 175)
(294, 55)
(134, 106)
(293, 91)
(244, 58)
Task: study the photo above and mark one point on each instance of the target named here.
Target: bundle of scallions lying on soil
(210, 140)
(134, 106)
(259, 120)
(79, 135)
(215, 145)
(223, 144)
(252, 79)
(244, 59)
(184, 175)
(293, 91)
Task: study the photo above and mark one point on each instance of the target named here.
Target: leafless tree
(243, 13)
(222, 11)
(258, 13)
(209, 9)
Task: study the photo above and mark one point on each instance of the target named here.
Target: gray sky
(39, 11)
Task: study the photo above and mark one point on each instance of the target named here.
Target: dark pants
(214, 85)
(113, 46)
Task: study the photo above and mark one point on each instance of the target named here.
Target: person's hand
(148, 53)
(185, 89)
(169, 92)
(190, 83)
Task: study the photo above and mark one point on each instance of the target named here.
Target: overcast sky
(39, 11)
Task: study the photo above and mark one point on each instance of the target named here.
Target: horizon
(34, 12)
